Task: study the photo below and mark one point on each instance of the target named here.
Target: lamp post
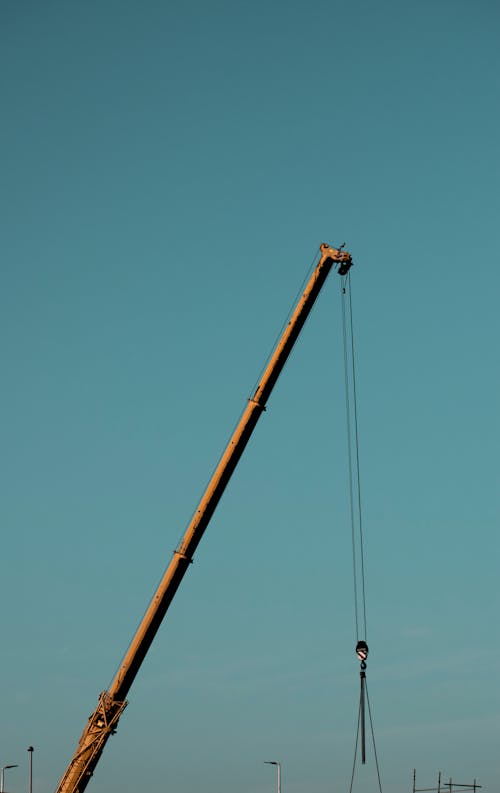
(30, 749)
(278, 766)
(2, 774)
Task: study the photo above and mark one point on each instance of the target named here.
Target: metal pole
(30, 784)
(2, 775)
(278, 766)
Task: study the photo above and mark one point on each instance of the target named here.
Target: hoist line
(363, 720)
(373, 738)
(355, 752)
(360, 716)
(358, 479)
(349, 456)
(353, 457)
(356, 525)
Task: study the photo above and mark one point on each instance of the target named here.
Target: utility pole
(30, 783)
(2, 774)
(278, 766)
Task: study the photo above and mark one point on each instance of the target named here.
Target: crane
(112, 702)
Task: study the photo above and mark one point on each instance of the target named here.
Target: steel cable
(355, 503)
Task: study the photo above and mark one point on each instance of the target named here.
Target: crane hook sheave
(362, 650)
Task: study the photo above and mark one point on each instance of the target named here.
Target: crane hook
(362, 652)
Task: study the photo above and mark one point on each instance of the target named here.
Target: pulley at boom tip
(343, 258)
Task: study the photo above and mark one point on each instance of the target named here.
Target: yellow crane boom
(103, 722)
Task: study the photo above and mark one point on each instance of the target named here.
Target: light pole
(30, 749)
(2, 774)
(278, 766)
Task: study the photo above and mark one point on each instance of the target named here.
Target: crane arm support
(101, 724)
(111, 704)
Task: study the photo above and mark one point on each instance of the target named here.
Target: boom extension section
(103, 722)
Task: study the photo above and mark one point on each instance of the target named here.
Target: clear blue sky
(168, 172)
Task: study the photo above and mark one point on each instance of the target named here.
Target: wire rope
(356, 444)
(355, 503)
(373, 742)
(355, 752)
(356, 520)
(349, 456)
(373, 738)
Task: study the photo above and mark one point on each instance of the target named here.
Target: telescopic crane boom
(103, 722)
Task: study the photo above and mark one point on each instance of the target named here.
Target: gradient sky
(168, 172)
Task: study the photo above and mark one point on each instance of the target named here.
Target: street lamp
(30, 749)
(269, 762)
(2, 774)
